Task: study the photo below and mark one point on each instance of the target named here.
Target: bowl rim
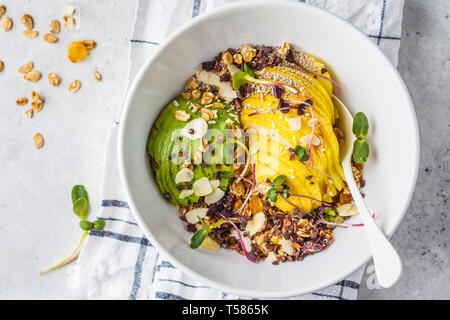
(127, 105)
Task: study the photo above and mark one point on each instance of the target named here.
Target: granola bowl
(370, 83)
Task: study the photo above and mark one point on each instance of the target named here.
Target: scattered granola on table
(276, 195)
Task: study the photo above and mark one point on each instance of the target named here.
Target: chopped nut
(38, 140)
(90, 44)
(196, 94)
(68, 22)
(196, 107)
(248, 53)
(186, 95)
(22, 101)
(206, 114)
(238, 58)
(74, 86)
(2, 66)
(227, 57)
(218, 105)
(284, 48)
(30, 34)
(27, 21)
(97, 76)
(77, 51)
(7, 23)
(207, 97)
(32, 76)
(29, 113)
(26, 67)
(182, 115)
(50, 38)
(2, 10)
(54, 26)
(54, 79)
(192, 83)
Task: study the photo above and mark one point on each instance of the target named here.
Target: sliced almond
(26, 67)
(38, 140)
(210, 244)
(30, 34)
(271, 257)
(184, 175)
(295, 123)
(54, 26)
(286, 245)
(27, 21)
(50, 38)
(256, 224)
(347, 210)
(214, 184)
(202, 187)
(192, 216)
(185, 193)
(195, 129)
(306, 139)
(215, 196)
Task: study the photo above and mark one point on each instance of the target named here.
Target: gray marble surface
(37, 224)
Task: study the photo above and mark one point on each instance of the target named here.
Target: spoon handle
(388, 265)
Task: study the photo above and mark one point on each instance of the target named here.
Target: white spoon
(388, 265)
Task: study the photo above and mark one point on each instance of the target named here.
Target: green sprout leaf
(279, 181)
(285, 191)
(329, 212)
(80, 201)
(249, 70)
(360, 151)
(301, 153)
(225, 182)
(239, 79)
(272, 194)
(360, 125)
(98, 224)
(198, 238)
(86, 225)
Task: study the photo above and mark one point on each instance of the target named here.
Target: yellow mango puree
(271, 150)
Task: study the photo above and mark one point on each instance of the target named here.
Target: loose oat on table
(37, 106)
(32, 76)
(30, 34)
(90, 44)
(22, 101)
(2, 10)
(50, 38)
(54, 79)
(36, 97)
(54, 27)
(27, 21)
(2, 66)
(68, 22)
(7, 23)
(26, 67)
(38, 140)
(97, 76)
(74, 86)
(29, 113)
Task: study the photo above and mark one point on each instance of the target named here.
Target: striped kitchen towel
(119, 262)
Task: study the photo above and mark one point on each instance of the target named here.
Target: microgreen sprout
(80, 206)
(248, 76)
(360, 146)
(200, 236)
(272, 193)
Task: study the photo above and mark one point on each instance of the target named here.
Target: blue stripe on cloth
(115, 203)
(349, 284)
(155, 267)
(138, 272)
(327, 296)
(119, 220)
(184, 284)
(120, 237)
(144, 41)
(383, 10)
(196, 8)
(167, 296)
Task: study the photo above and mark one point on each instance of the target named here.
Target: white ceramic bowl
(370, 84)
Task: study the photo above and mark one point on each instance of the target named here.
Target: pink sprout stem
(240, 237)
(302, 210)
(250, 192)
(318, 170)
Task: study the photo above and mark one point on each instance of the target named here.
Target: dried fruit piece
(29, 113)
(30, 34)
(68, 22)
(38, 140)
(7, 23)
(32, 76)
(54, 26)
(50, 38)
(90, 44)
(27, 21)
(26, 67)
(77, 51)
(54, 79)
(2, 66)
(2, 10)
(74, 86)
(191, 216)
(97, 76)
(22, 101)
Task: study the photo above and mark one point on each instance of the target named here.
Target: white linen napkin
(119, 262)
